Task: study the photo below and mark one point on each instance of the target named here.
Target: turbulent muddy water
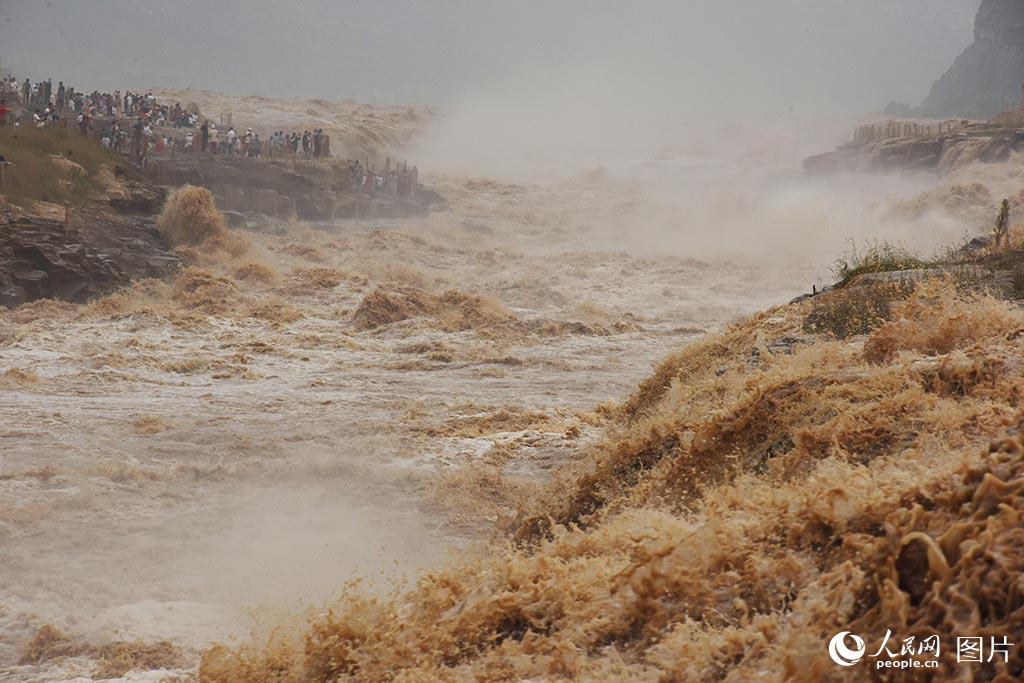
(205, 458)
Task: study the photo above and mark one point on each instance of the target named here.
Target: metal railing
(906, 129)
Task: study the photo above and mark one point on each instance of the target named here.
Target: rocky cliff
(943, 154)
(990, 71)
(103, 250)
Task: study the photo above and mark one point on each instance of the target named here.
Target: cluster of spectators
(228, 143)
(315, 144)
(310, 144)
(400, 181)
(51, 106)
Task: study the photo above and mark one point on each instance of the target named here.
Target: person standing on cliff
(83, 123)
(137, 140)
(1002, 223)
(204, 131)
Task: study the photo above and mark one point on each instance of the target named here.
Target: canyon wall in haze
(990, 72)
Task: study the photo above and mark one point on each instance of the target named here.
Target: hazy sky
(818, 56)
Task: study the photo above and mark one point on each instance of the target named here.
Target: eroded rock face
(38, 260)
(312, 191)
(139, 198)
(915, 154)
(990, 71)
(36, 263)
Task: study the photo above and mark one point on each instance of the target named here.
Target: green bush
(879, 257)
(844, 313)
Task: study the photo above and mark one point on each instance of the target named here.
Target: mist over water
(717, 188)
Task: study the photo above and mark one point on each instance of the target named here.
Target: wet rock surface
(282, 188)
(101, 252)
(910, 154)
(139, 198)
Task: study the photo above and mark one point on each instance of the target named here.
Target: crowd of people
(400, 181)
(314, 144)
(101, 114)
(129, 123)
(55, 106)
(311, 144)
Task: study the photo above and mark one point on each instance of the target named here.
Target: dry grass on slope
(52, 165)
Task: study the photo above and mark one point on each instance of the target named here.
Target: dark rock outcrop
(990, 71)
(917, 154)
(311, 191)
(140, 198)
(36, 263)
(881, 155)
(102, 252)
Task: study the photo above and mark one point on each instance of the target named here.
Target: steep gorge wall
(990, 71)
